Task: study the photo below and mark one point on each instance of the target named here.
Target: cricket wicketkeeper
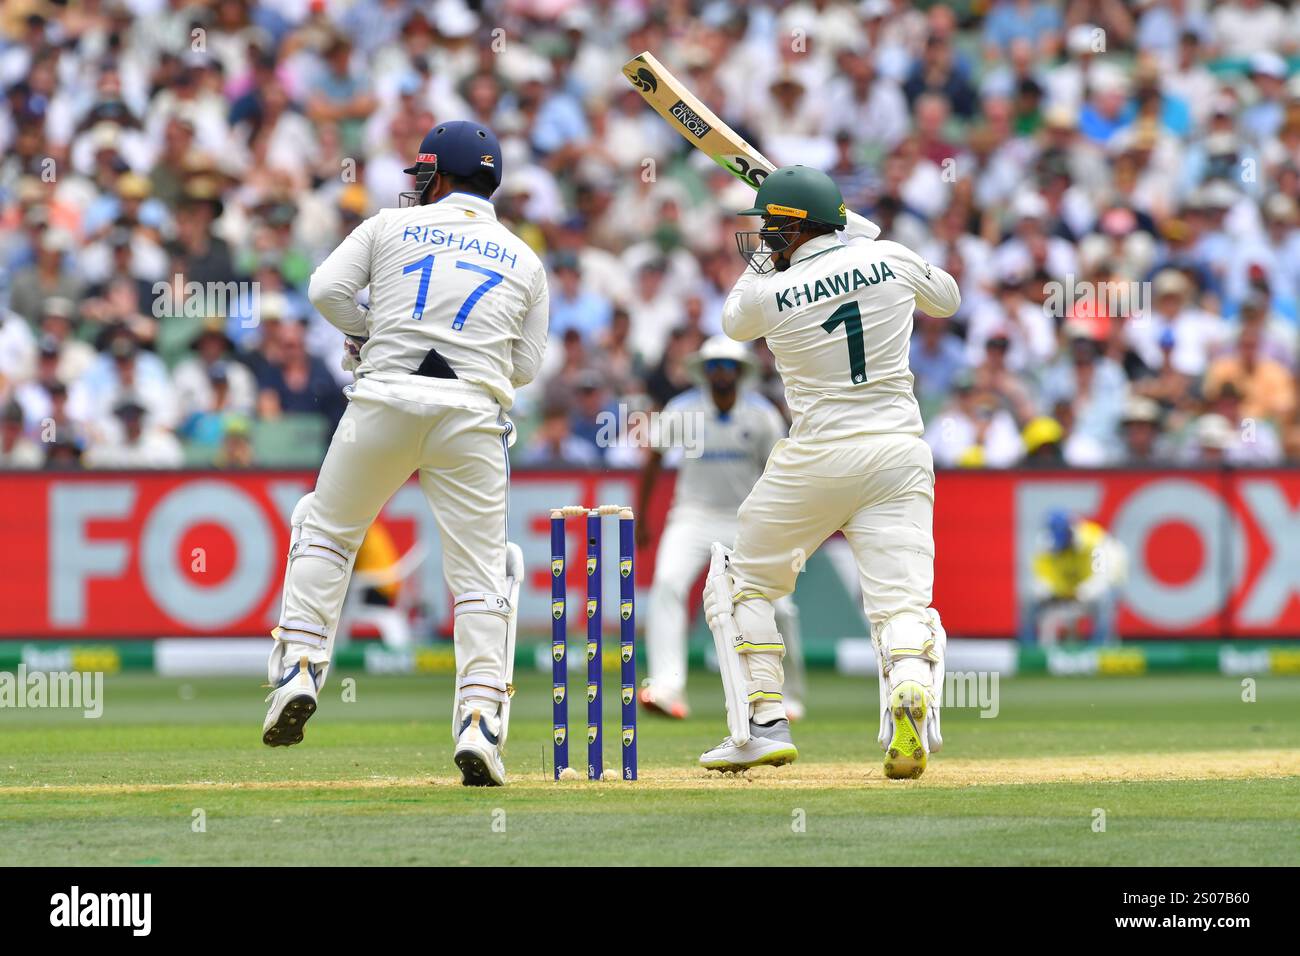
(457, 321)
(837, 316)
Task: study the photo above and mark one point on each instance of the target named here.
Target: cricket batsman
(724, 432)
(456, 322)
(837, 316)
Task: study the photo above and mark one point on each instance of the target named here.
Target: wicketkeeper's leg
(371, 454)
(465, 479)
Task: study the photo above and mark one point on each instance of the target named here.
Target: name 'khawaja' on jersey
(839, 324)
(445, 276)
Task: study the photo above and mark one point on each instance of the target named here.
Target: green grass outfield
(1185, 772)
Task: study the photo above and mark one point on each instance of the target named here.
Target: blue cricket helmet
(460, 148)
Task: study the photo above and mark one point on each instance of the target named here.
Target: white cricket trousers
(454, 437)
(878, 490)
(682, 555)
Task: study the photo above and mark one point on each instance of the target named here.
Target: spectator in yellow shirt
(1266, 387)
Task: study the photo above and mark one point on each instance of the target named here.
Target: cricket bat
(669, 97)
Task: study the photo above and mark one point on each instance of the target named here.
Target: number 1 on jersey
(850, 316)
(425, 268)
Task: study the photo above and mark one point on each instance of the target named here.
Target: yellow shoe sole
(777, 758)
(905, 756)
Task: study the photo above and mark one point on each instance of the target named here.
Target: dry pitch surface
(942, 774)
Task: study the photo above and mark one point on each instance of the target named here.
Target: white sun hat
(721, 347)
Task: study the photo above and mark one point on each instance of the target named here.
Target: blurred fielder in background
(716, 470)
(1077, 576)
(457, 321)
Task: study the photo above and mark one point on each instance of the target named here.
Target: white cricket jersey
(721, 454)
(445, 276)
(839, 322)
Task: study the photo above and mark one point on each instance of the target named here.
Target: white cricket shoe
(769, 745)
(293, 701)
(478, 754)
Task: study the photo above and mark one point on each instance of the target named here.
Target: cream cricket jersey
(445, 276)
(839, 322)
(721, 454)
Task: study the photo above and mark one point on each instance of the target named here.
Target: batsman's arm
(937, 292)
(345, 272)
(742, 316)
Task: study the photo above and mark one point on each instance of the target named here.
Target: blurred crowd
(1116, 187)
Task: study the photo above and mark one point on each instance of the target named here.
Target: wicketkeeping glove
(352, 352)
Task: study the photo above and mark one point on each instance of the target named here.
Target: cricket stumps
(595, 640)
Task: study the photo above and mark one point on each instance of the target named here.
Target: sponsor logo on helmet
(426, 158)
(487, 159)
(690, 119)
(643, 80)
(776, 209)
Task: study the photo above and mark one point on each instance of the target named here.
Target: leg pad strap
(301, 632)
(765, 690)
(482, 602)
(894, 643)
(485, 686)
(317, 546)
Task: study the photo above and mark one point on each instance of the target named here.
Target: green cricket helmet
(789, 200)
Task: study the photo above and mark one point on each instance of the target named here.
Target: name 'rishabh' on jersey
(839, 324)
(445, 276)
